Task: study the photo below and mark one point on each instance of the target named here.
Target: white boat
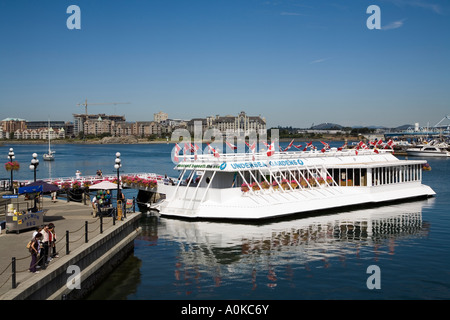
(258, 186)
(432, 149)
(50, 155)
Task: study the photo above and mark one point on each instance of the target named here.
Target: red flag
(362, 145)
(232, 146)
(343, 147)
(289, 146)
(214, 151)
(195, 149)
(389, 144)
(177, 150)
(271, 149)
(298, 147)
(252, 147)
(325, 146)
(310, 145)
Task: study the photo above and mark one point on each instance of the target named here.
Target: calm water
(315, 257)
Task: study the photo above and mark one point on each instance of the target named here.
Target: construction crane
(85, 104)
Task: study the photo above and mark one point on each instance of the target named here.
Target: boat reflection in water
(231, 252)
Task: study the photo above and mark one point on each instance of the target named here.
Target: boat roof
(232, 162)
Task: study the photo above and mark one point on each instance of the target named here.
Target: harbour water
(322, 256)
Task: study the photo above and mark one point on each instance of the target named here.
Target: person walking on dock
(52, 241)
(35, 250)
(44, 249)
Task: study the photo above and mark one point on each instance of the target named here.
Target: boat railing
(262, 156)
(92, 179)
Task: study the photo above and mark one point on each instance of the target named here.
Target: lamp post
(11, 157)
(33, 166)
(34, 163)
(117, 166)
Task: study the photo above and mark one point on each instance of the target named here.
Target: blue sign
(10, 196)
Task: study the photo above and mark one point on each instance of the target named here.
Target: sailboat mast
(49, 151)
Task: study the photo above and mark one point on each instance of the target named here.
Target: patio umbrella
(46, 187)
(104, 185)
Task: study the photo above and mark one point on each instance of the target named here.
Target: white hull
(420, 153)
(48, 157)
(234, 187)
(275, 204)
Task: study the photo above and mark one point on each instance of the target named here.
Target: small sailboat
(50, 155)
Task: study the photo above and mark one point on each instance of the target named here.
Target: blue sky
(294, 62)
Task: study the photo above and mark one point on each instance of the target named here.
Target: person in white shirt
(44, 250)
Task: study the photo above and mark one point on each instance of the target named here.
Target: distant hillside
(404, 127)
(327, 126)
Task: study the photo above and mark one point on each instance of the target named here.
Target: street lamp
(11, 157)
(33, 166)
(117, 166)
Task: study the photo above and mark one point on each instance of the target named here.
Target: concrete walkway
(64, 215)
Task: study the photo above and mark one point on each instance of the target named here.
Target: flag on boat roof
(176, 154)
(214, 151)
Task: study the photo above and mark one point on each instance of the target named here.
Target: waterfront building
(124, 129)
(32, 125)
(12, 124)
(40, 133)
(242, 124)
(147, 128)
(160, 116)
(96, 123)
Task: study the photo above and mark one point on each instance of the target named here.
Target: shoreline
(145, 141)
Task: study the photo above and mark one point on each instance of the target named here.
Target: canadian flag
(271, 149)
(325, 146)
(194, 149)
(310, 145)
(362, 145)
(343, 147)
(289, 146)
(176, 154)
(214, 151)
(253, 148)
(389, 144)
(232, 146)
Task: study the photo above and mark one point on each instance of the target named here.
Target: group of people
(43, 247)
